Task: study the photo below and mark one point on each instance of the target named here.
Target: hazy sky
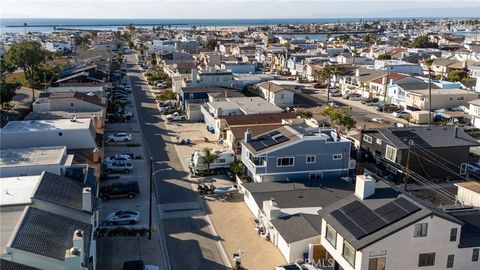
(235, 9)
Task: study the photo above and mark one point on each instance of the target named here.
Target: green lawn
(17, 77)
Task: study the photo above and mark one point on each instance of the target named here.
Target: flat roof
(32, 156)
(45, 125)
(18, 190)
(248, 105)
(473, 186)
(8, 223)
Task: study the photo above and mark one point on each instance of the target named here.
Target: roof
(391, 76)
(18, 190)
(239, 132)
(473, 186)
(438, 92)
(384, 194)
(51, 115)
(9, 265)
(300, 194)
(267, 118)
(416, 86)
(32, 156)
(247, 105)
(46, 125)
(470, 233)
(475, 102)
(48, 234)
(272, 87)
(297, 227)
(427, 137)
(60, 190)
(204, 89)
(93, 99)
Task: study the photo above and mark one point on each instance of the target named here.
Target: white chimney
(365, 186)
(194, 74)
(357, 72)
(384, 80)
(271, 209)
(248, 136)
(87, 199)
(74, 255)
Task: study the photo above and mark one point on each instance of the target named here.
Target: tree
(339, 119)
(384, 57)
(211, 44)
(27, 55)
(236, 168)
(304, 114)
(208, 156)
(154, 59)
(423, 42)
(168, 95)
(7, 90)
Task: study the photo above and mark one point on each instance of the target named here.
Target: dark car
(369, 100)
(386, 107)
(119, 190)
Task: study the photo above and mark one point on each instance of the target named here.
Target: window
(310, 159)
(367, 138)
(348, 253)
(391, 153)
(420, 230)
(475, 254)
(460, 98)
(453, 234)
(337, 156)
(71, 104)
(376, 263)
(426, 259)
(378, 141)
(285, 162)
(450, 259)
(331, 236)
(283, 96)
(191, 95)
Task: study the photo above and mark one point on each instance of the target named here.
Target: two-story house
(295, 152)
(379, 228)
(276, 94)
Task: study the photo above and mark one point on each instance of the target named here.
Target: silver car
(124, 166)
(123, 218)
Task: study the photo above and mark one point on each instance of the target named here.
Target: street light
(152, 173)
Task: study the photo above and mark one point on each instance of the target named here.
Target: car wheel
(126, 171)
(132, 222)
(110, 140)
(131, 195)
(183, 119)
(125, 140)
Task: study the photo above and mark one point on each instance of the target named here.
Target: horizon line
(284, 18)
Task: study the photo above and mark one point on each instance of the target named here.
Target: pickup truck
(176, 117)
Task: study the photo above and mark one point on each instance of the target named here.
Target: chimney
(271, 209)
(384, 80)
(455, 132)
(73, 256)
(87, 199)
(96, 155)
(357, 72)
(248, 136)
(194, 74)
(365, 186)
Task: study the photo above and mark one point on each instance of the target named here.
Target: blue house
(295, 153)
(201, 92)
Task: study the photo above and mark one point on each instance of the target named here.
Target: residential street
(188, 236)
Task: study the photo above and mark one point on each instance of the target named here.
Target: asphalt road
(189, 241)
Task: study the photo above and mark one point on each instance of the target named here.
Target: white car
(176, 117)
(119, 166)
(123, 217)
(401, 114)
(117, 157)
(120, 137)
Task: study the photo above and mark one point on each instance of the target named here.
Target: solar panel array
(407, 135)
(361, 221)
(268, 140)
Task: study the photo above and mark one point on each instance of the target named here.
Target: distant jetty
(327, 32)
(92, 25)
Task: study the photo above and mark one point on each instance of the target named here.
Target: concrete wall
(468, 197)
(58, 169)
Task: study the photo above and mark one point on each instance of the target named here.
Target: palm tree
(208, 156)
(236, 168)
(326, 74)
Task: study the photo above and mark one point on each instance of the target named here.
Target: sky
(236, 9)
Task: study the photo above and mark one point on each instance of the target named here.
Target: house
(475, 73)
(72, 133)
(474, 112)
(295, 152)
(214, 111)
(397, 90)
(358, 81)
(69, 102)
(398, 66)
(201, 92)
(77, 88)
(276, 94)
(206, 78)
(379, 86)
(435, 152)
(441, 98)
(57, 46)
(238, 67)
(379, 227)
(33, 161)
(354, 60)
(468, 193)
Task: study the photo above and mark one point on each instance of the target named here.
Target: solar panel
(356, 231)
(282, 139)
(340, 217)
(406, 205)
(273, 133)
(257, 145)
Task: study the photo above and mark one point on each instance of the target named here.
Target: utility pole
(328, 89)
(385, 92)
(150, 200)
(429, 95)
(405, 177)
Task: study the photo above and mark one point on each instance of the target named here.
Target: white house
(380, 228)
(398, 66)
(474, 112)
(276, 94)
(468, 193)
(72, 133)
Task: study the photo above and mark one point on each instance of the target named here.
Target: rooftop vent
(75, 251)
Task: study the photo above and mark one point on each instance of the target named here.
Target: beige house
(441, 98)
(276, 94)
(69, 102)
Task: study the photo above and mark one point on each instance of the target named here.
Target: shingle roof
(272, 87)
(48, 234)
(470, 233)
(60, 190)
(9, 265)
(76, 95)
(297, 227)
(255, 119)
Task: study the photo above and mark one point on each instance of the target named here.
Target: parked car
(369, 100)
(319, 85)
(176, 116)
(117, 157)
(334, 104)
(352, 96)
(119, 190)
(386, 107)
(139, 265)
(124, 166)
(379, 120)
(401, 114)
(474, 168)
(127, 115)
(120, 137)
(123, 217)
(336, 94)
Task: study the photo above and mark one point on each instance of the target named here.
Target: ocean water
(46, 25)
